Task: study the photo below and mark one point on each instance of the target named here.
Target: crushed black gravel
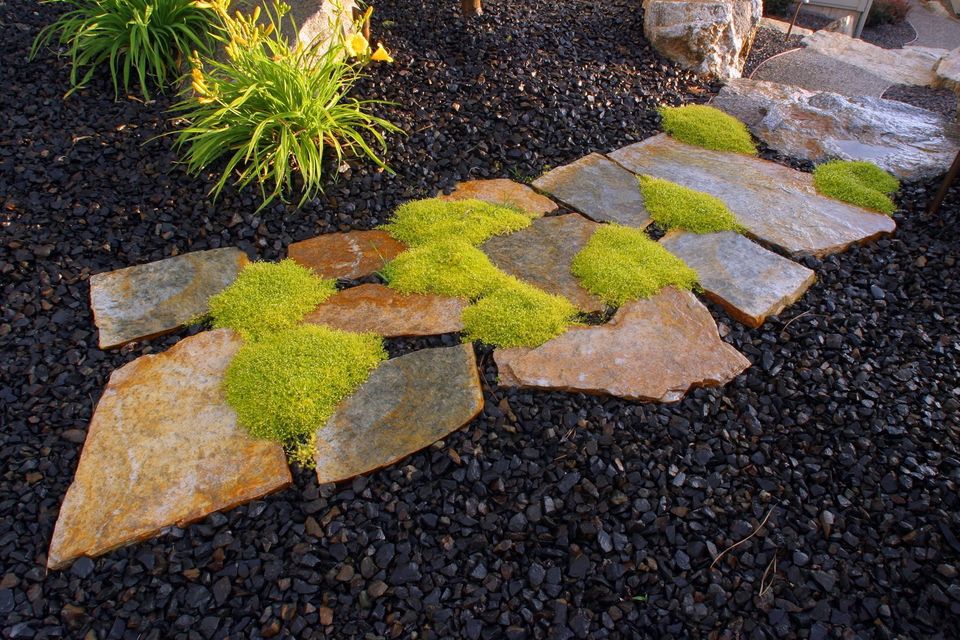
(766, 44)
(552, 515)
(889, 36)
(942, 101)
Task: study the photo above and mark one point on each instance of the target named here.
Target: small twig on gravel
(764, 585)
(796, 317)
(737, 544)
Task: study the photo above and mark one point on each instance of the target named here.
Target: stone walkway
(934, 25)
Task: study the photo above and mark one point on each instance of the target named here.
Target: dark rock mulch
(942, 101)
(552, 515)
(766, 44)
(889, 36)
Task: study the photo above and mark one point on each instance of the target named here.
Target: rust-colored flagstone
(505, 192)
(599, 189)
(541, 255)
(654, 350)
(163, 449)
(406, 404)
(350, 255)
(378, 309)
(750, 282)
(775, 203)
(151, 299)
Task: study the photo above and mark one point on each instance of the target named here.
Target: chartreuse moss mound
(707, 127)
(860, 183)
(673, 206)
(473, 221)
(268, 297)
(287, 384)
(446, 267)
(621, 264)
(517, 315)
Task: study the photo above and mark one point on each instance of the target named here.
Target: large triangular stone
(653, 350)
(151, 299)
(541, 255)
(504, 192)
(406, 404)
(163, 449)
(750, 282)
(597, 188)
(776, 204)
(350, 255)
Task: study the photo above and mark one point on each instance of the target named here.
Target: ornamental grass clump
(268, 297)
(142, 42)
(620, 264)
(517, 315)
(473, 221)
(281, 115)
(707, 127)
(449, 267)
(287, 385)
(859, 183)
(673, 206)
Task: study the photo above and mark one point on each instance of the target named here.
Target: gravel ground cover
(889, 36)
(766, 44)
(942, 101)
(552, 515)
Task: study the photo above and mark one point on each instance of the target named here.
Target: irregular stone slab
(163, 449)
(907, 141)
(597, 188)
(408, 403)
(750, 282)
(350, 255)
(378, 309)
(777, 205)
(948, 71)
(541, 255)
(504, 192)
(908, 65)
(654, 350)
(711, 37)
(151, 299)
(817, 72)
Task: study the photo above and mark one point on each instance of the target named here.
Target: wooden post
(471, 8)
(947, 181)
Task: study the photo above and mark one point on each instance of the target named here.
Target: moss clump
(268, 297)
(472, 221)
(288, 384)
(517, 315)
(707, 127)
(620, 264)
(860, 183)
(673, 206)
(446, 267)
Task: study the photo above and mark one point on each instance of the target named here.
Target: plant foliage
(517, 315)
(860, 183)
(673, 206)
(707, 127)
(141, 41)
(449, 267)
(473, 221)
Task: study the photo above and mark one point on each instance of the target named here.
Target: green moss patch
(518, 315)
(859, 183)
(621, 264)
(673, 206)
(447, 268)
(472, 221)
(288, 384)
(707, 127)
(268, 297)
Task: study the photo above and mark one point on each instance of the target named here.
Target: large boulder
(711, 37)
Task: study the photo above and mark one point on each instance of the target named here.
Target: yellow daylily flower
(366, 15)
(200, 4)
(357, 45)
(381, 54)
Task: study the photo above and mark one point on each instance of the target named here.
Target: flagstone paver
(378, 309)
(597, 188)
(541, 255)
(750, 282)
(350, 255)
(655, 350)
(408, 403)
(907, 65)
(505, 192)
(151, 299)
(778, 205)
(163, 449)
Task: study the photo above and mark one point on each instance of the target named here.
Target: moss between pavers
(518, 315)
(288, 384)
(620, 264)
(445, 267)
(673, 206)
(268, 297)
(707, 127)
(859, 183)
(473, 221)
